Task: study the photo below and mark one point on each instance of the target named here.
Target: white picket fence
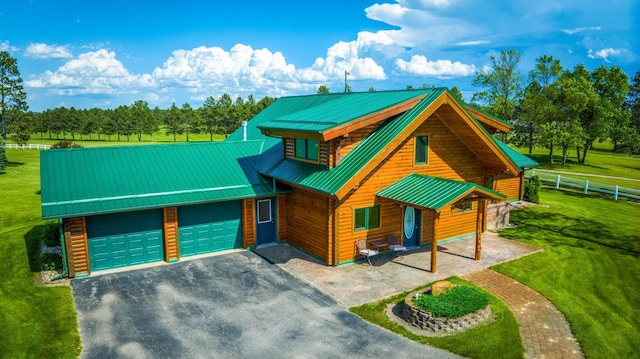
(31, 146)
(585, 186)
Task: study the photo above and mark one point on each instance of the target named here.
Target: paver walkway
(544, 330)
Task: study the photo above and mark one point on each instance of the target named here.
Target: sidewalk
(358, 283)
(544, 330)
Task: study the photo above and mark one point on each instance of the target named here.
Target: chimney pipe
(244, 130)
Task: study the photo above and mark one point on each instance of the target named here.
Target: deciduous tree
(502, 85)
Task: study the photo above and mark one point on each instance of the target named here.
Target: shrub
(65, 144)
(51, 261)
(458, 302)
(532, 190)
(52, 235)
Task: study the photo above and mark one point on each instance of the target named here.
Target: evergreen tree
(12, 98)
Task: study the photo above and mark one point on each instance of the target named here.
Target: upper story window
(306, 149)
(422, 150)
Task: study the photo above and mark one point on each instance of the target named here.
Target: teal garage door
(209, 227)
(124, 239)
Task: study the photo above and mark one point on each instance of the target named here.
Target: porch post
(434, 241)
(479, 227)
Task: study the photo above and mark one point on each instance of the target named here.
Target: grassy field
(590, 267)
(158, 137)
(37, 321)
(600, 161)
(501, 336)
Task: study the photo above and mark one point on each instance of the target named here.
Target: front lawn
(590, 267)
(501, 336)
(37, 322)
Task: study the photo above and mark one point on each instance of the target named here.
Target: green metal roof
(432, 192)
(516, 157)
(281, 107)
(87, 181)
(339, 110)
(489, 115)
(329, 181)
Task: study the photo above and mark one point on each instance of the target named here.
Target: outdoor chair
(361, 244)
(394, 245)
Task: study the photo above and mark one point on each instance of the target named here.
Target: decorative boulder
(440, 287)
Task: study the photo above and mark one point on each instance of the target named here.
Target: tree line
(216, 116)
(561, 109)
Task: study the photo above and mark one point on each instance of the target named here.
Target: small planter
(441, 325)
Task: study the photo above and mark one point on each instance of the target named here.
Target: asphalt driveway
(230, 306)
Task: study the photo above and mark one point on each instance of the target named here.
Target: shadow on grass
(559, 229)
(14, 164)
(32, 241)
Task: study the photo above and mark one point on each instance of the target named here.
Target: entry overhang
(434, 193)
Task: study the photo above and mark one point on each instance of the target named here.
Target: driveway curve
(235, 305)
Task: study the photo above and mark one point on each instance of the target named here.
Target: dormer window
(306, 149)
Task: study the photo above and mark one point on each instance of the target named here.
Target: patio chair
(361, 244)
(394, 245)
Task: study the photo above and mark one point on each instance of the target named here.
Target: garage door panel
(125, 239)
(209, 227)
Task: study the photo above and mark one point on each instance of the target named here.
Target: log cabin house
(318, 172)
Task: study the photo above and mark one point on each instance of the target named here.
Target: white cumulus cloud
(44, 51)
(419, 65)
(96, 72)
(603, 54)
(419, 24)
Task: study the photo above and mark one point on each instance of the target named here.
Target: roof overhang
(434, 193)
(491, 123)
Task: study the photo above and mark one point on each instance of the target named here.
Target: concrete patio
(357, 283)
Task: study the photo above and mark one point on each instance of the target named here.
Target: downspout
(65, 269)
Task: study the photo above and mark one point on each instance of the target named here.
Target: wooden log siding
(248, 223)
(353, 138)
(307, 218)
(171, 252)
(509, 186)
(325, 153)
(75, 239)
(282, 218)
(289, 148)
(452, 224)
(448, 158)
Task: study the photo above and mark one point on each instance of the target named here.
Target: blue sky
(105, 54)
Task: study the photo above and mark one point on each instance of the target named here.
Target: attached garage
(124, 239)
(209, 227)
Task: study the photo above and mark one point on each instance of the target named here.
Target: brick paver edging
(544, 330)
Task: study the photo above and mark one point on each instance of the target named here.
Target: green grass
(37, 322)
(158, 137)
(600, 161)
(590, 267)
(501, 336)
(457, 302)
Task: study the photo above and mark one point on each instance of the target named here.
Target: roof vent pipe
(244, 130)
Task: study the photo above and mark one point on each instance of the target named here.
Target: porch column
(434, 242)
(479, 227)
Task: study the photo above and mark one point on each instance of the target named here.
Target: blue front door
(266, 224)
(411, 226)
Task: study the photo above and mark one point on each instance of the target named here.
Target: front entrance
(266, 226)
(412, 226)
